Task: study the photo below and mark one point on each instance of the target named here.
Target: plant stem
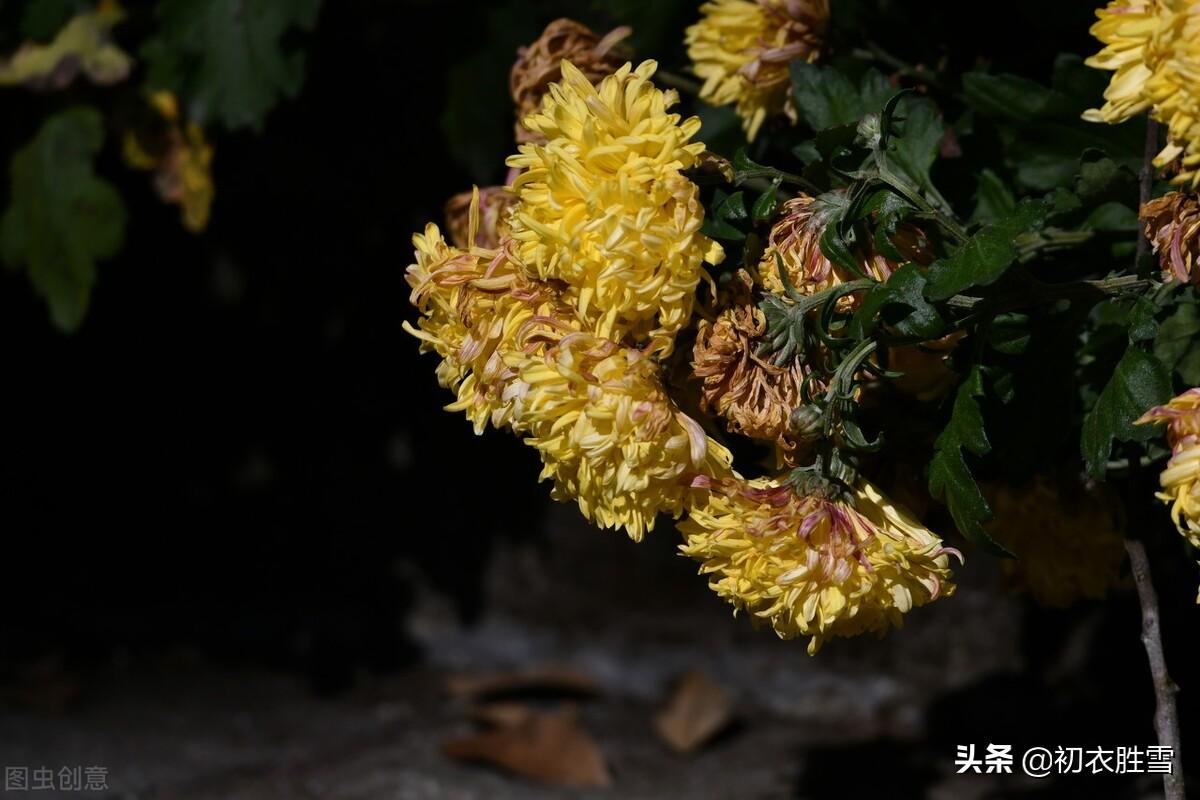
(1146, 186)
(1049, 292)
(1166, 718)
(675, 81)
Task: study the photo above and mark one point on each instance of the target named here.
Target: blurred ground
(632, 617)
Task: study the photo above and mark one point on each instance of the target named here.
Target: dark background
(242, 452)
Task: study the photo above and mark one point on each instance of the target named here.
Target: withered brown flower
(754, 396)
(537, 66)
(796, 238)
(494, 203)
(1173, 228)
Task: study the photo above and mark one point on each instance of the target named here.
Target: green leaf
(825, 97)
(900, 304)
(1013, 97)
(949, 476)
(1103, 180)
(1139, 383)
(993, 199)
(914, 151)
(983, 258)
(767, 202)
(731, 207)
(61, 218)
(226, 59)
(1009, 333)
(1176, 343)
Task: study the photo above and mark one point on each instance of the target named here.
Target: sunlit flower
(1180, 480)
(539, 65)
(796, 239)
(605, 208)
(1153, 47)
(1066, 547)
(483, 316)
(812, 566)
(1173, 228)
(754, 396)
(494, 205)
(609, 436)
(741, 50)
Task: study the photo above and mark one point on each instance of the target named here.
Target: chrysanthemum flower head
(796, 239)
(610, 437)
(741, 49)
(1153, 48)
(1066, 547)
(604, 206)
(812, 566)
(540, 64)
(1180, 480)
(754, 396)
(1172, 224)
(481, 314)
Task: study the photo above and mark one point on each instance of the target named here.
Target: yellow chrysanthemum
(812, 566)
(1066, 548)
(1153, 47)
(482, 315)
(604, 206)
(1181, 478)
(609, 436)
(741, 50)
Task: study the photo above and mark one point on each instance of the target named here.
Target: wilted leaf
(226, 58)
(181, 159)
(699, 709)
(949, 476)
(83, 45)
(546, 746)
(61, 218)
(987, 254)
(1139, 383)
(538, 680)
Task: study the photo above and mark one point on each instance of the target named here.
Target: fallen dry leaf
(550, 746)
(699, 709)
(536, 680)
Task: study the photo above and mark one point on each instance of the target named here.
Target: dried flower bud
(538, 65)
(494, 203)
(1172, 224)
(807, 422)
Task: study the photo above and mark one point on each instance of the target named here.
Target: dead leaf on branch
(83, 45)
(181, 159)
(547, 680)
(699, 709)
(549, 746)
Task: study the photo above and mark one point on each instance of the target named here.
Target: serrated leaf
(993, 199)
(824, 96)
(226, 57)
(61, 218)
(1013, 96)
(983, 258)
(915, 150)
(1139, 382)
(900, 304)
(949, 476)
(1176, 343)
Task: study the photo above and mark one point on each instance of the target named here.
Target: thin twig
(1166, 718)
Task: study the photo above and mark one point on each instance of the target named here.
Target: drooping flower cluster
(1153, 49)
(1172, 224)
(1066, 547)
(554, 313)
(812, 566)
(605, 208)
(741, 49)
(1181, 479)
